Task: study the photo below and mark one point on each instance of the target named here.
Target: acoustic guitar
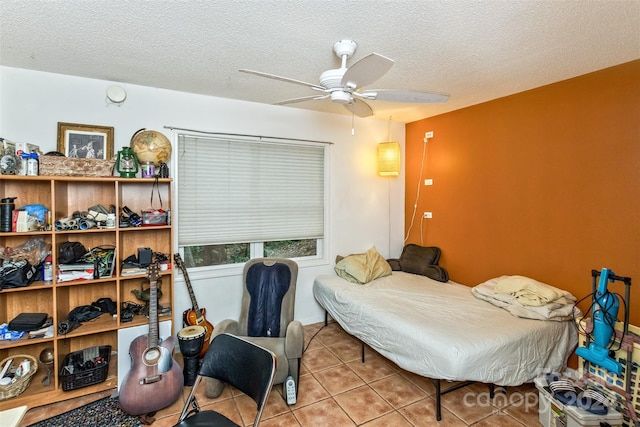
(155, 380)
(196, 315)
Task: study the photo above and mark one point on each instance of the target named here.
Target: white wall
(365, 209)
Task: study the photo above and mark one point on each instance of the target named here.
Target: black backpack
(70, 252)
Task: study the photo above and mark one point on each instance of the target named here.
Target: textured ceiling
(474, 51)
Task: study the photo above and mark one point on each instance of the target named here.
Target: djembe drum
(191, 340)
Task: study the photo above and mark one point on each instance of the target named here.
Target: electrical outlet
(428, 215)
(428, 181)
(428, 134)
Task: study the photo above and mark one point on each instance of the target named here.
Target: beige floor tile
(425, 384)
(525, 409)
(338, 379)
(347, 350)
(319, 359)
(374, 368)
(500, 420)
(309, 391)
(247, 408)
(468, 405)
(333, 334)
(282, 420)
(276, 404)
(323, 413)
(393, 419)
(363, 404)
(398, 391)
(423, 414)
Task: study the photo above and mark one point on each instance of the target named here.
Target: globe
(151, 146)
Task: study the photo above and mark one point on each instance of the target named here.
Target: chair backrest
(268, 297)
(241, 364)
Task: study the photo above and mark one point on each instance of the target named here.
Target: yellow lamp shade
(389, 159)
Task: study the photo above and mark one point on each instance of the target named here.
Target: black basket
(85, 367)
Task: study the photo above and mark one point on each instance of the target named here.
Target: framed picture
(85, 141)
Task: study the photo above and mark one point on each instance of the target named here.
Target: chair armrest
(227, 325)
(294, 340)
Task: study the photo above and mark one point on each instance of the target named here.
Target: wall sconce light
(389, 159)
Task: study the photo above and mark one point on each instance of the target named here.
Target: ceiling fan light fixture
(341, 97)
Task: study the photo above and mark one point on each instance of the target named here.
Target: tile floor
(336, 389)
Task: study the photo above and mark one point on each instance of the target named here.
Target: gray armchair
(267, 317)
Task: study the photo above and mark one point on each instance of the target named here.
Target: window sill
(201, 273)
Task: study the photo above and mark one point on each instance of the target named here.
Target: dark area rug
(102, 413)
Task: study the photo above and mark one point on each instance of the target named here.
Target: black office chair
(239, 363)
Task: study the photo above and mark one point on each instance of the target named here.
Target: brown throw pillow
(423, 260)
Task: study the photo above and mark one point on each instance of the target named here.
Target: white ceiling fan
(345, 85)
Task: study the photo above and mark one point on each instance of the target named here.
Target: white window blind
(239, 190)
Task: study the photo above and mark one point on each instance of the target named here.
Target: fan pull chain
(353, 131)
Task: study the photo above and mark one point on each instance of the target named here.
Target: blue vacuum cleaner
(604, 313)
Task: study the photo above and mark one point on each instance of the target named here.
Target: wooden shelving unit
(63, 196)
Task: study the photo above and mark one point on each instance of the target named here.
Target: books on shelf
(78, 266)
(132, 271)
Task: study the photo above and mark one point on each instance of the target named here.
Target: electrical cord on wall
(422, 232)
(415, 204)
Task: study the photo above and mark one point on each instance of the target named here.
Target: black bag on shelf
(17, 274)
(28, 322)
(70, 252)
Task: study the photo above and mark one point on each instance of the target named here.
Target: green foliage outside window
(238, 253)
(202, 256)
(291, 248)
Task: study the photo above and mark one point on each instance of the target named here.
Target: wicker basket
(71, 166)
(21, 384)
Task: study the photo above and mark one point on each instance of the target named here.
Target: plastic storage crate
(613, 385)
(85, 367)
(553, 413)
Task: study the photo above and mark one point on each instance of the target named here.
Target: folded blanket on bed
(529, 291)
(560, 309)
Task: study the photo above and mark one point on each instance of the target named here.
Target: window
(244, 197)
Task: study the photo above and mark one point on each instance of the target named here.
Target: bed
(443, 332)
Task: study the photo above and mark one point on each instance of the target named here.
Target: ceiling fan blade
(406, 96)
(283, 79)
(301, 99)
(359, 108)
(367, 70)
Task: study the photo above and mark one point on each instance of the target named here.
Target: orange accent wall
(544, 183)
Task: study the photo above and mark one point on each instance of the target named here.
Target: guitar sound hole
(151, 356)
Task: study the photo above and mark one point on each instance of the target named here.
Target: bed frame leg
(492, 390)
(362, 343)
(440, 392)
(326, 318)
(436, 383)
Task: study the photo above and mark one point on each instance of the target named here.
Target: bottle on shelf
(47, 270)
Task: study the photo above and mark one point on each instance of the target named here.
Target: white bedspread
(440, 330)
